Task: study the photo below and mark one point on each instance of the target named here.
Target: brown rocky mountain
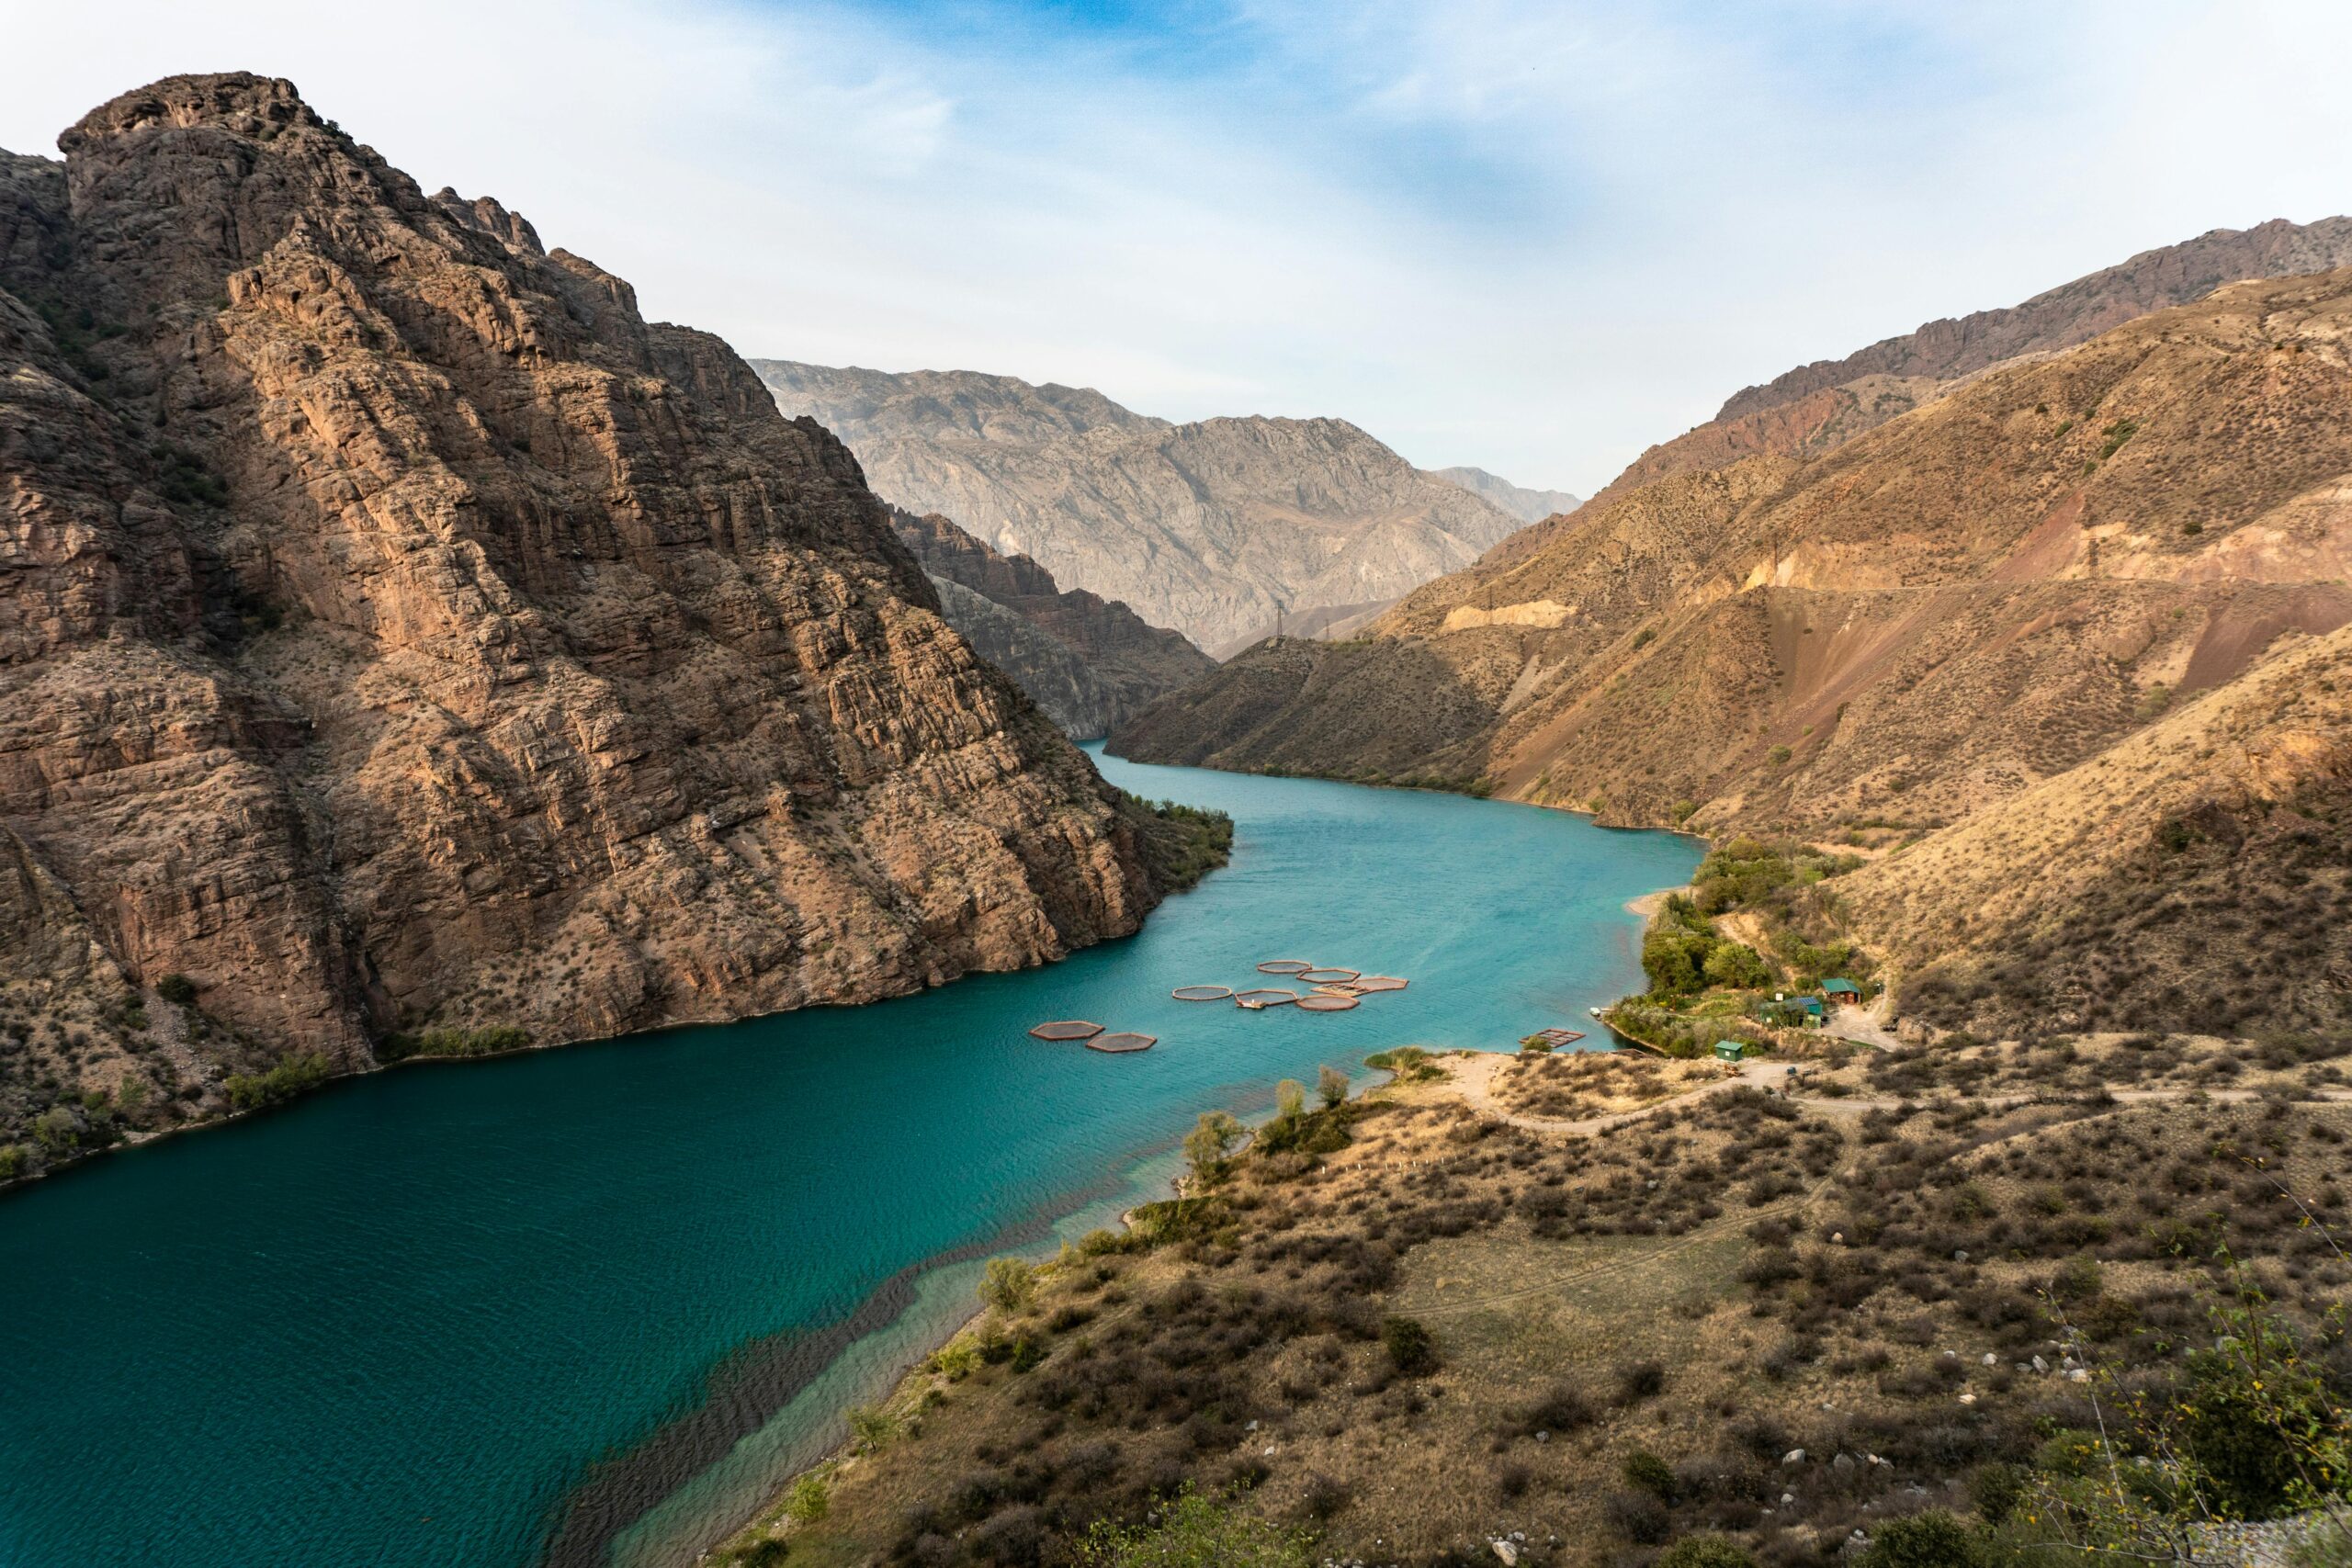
(1089, 662)
(1213, 528)
(1966, 605)
(399, 634)
(1815, 408)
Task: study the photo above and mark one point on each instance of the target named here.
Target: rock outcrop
(399, 635)
(1216, 529)
(1089, 662)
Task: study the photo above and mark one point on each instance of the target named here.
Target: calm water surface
(588, 1303)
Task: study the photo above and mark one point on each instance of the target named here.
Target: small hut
(1729, 1050)
(1842, 993)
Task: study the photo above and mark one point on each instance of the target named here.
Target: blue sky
(1535, 237)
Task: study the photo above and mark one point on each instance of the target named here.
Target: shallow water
(475, 1313)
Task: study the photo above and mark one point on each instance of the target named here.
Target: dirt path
(1861, 1026)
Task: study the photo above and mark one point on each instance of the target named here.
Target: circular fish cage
(1377, 983)
(1263, 998)
(1202, 993)
(1325, 1001)
(1121, 1043)
(1284, 966)
(1067, 1029)
(1326, 977)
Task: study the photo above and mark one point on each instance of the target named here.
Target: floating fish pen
(1284, 966)
(1368, 983)
(1067, 1029)
(1121, 1043)
(1326, 977)
(1326, 1001)
(1335, 990)
(1553, 1039)
(1202, 993)
(1253, 1000)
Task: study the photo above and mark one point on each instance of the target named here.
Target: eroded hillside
(1956, 618)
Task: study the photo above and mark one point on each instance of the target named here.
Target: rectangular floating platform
(1121, 1043)
(1067, 1029)
(1556, 1037)
(1324, 1001)
(1284, 966)
(1263, 998)
(1377, 983)
(1202, 993)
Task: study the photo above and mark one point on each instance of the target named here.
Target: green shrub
(808, 1500)
(1779, 756)
(1009, 1284)
(250, 1092)
(1645, 1472)
(1995, 1490)
(176, 989)
(1410, 1350)
(1929, 1540)
(1198, 1532)
(1331, 1087)
(1706, 1549)
(12, 1159)
(871, 1425)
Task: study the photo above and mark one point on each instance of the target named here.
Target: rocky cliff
(1816, 408)
(1213, 528)
(1931, 622)
(402, 641)
(1089, 662)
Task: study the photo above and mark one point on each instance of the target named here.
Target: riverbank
(1458, 1330)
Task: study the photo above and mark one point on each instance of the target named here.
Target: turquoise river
(588, 1305)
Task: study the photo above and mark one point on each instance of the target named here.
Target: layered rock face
(1816, 408)
(1089, 662)
(1217, 529)
(1956, 612)
(401, 633)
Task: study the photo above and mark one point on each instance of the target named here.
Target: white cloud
(1534, 236)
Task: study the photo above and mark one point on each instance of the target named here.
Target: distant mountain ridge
(1527, 505)
(1214, 528)
(1816, 408)
(1088, 662)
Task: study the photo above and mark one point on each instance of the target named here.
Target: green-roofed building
(1729, 1050)
(1842, 992)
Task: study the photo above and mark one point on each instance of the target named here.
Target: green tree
(1208, 1147)
(1331, 1087)
(1736, 965)
(1290, 1100)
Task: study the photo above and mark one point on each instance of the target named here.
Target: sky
(1534, 237)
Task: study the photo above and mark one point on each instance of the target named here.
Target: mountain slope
(400, 634)
(1815, 408)
(1088, 662)
(1956, 618)
(1212, 528)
